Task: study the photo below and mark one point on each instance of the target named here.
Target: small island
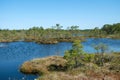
(76, 65)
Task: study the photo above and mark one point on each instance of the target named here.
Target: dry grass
(89, 71)
(41, 65)
(80, 76)
(62, 76)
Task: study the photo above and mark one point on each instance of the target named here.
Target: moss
(41, 66)
(52, 68)
(62, 76)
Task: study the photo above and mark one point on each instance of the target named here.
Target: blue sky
(23, 14)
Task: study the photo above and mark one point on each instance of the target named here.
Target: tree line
(39, 34)
(56, 33)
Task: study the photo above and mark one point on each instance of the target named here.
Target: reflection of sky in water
(15, 53)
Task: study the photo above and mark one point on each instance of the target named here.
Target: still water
(13, 54)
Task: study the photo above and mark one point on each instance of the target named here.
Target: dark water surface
(13, 54)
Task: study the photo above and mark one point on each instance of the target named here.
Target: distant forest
(56, 33)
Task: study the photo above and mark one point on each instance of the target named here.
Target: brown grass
(88, 72)
(41, 65)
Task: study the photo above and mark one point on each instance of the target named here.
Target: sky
(87, 14)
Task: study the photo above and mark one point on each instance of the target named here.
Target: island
(75, 65)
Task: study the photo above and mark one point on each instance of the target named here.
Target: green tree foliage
(37, 34)
(56, 33)
(57, 27)
(74, 27)
(100, 48)
(97, 32)
(89, 58)
(74, 30)
(111, 29)
(75, 55)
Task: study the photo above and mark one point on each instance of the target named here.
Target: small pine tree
(100, 48)
(73, 56)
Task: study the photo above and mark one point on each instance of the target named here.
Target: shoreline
(54, 40)
(56, 66)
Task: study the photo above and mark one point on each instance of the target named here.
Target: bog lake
(13, 54)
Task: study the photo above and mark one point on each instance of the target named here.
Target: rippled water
(13, 54)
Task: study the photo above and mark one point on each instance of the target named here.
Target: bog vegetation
(56, 33)
(76, 65)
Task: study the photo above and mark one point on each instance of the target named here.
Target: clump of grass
(41, 66)
(54, 68)
(62, 76)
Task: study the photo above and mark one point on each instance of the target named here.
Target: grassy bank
(55, 68)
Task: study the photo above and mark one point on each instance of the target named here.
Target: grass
(51, 68)
(41, 66)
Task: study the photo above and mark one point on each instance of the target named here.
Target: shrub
(75, 55)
